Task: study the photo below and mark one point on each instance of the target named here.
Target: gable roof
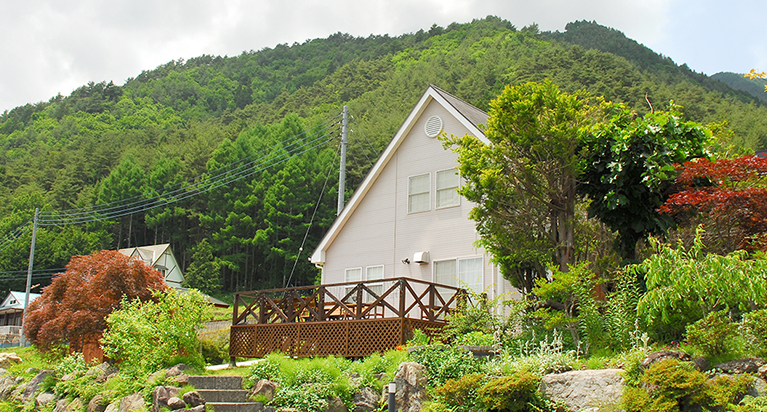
(469, 116)
(148, 254)
(15, 300)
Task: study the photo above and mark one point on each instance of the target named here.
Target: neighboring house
(406, 219)
(12, 309)
(11, 313)
(161, 258)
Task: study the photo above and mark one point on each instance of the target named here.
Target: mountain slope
(225, 118)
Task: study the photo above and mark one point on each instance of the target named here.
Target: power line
(223, 176)
(138, 202)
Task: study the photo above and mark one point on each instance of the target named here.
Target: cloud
(55, 46)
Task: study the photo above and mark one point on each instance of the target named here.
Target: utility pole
(342, 172)
(22, 339)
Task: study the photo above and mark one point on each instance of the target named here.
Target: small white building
(406, 219)
(161, 258)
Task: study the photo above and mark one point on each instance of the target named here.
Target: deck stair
(225, 394)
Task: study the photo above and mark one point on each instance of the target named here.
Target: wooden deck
(344, 319)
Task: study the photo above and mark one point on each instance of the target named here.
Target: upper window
(447, 188)
(418, 193)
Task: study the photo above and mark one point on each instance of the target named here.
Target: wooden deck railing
(345, 319)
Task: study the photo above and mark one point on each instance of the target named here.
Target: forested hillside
(242, 151)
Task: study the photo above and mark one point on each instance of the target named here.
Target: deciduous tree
(728, 197)
(74, 306)
(629, 168)
(524, 181)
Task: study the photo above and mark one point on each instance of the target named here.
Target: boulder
(61, 405)
(335, 404)
(663, 355)
(7, 384)
(160, 396)
(97, 404)
(34, 385)
(181, 379)
(264, 387)
(739, 366)
(176, 370)
(411, 387)
(366, 400)
(9, 359)
(193, 398)
(199, 408)
(43, 399)
(584, 389)
(131, 403)
(64, 406)
(112, 407)
(175, 403)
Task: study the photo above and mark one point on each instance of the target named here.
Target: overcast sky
(54, 46)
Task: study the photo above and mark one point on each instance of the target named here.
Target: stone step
(237, 406)
(216, 382)
(224, 395)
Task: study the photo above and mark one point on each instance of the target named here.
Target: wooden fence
(345, 319)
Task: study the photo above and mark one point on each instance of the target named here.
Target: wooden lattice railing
(343, 319)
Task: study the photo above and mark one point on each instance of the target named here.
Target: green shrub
(310, 397)
(215, 348)
(547, 355)
(461, 394)
(510, 393)
(475, 338)
(306, 383)
(754, 325)
(443, 363)
(376, 364)
(751, 404)
(723, 391)
(670, 385)
(148, 336)
(712, 335)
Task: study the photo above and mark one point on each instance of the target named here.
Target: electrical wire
(212, 175)
(225, 177)
(309, 226)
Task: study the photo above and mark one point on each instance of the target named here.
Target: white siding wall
(382, 232)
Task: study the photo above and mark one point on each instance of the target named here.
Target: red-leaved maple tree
(728, 196)
(74, 306)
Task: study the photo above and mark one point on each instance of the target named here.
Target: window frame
(456, 279)
(455, 188)
(427, 193)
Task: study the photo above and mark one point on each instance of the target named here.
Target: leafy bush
(511, 393)
(147, 336)
(671, 385)
(476, 338)
(461, 393)
(684, 285)
(306, 383)
(376, 364)
(712, 334)
(443, 363)
(540, 357)
(754, 327)
(215, 348)
(751, 404)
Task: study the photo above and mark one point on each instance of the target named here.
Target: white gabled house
(161, 258)
(406, 219)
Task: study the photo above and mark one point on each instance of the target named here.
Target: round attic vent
(433, 126)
